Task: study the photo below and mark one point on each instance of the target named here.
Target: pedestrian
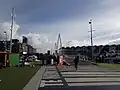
(54, 58)
(57, 59)
(23, 61)
(76, 60)
(61, 59)
(43, 60)
(8, 63)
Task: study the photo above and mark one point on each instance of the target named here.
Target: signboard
(24, 52)
(14, 59)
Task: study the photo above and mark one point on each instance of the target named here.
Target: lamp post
(5, 33)
(91, 31)
(11, 29)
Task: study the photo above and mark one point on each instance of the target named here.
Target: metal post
(55, 47)
(13, 9)
(91, 39)
(5, 40)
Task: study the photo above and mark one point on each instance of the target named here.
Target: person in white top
(61, 59)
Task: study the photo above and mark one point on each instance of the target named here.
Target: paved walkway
(89, 75)
(66, 77)
(35, 81)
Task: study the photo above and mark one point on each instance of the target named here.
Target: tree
(2, 46)
(73, 48)
(63, 47)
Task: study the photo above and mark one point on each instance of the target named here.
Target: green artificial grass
(15, 78)
(110, 66)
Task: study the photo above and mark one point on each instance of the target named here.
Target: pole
(91, 39)
(13, 9)
(5, 40)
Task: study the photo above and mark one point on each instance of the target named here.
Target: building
(112, 48)
(24, 48)
(30, 49)
(16, 46)
(24, 45)
(34, 50)
(118, 48)
(2, 46)
(25, 40)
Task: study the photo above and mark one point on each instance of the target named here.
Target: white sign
(24, 52)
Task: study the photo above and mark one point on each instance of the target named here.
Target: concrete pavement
(66, 77)
(89, 76)
(35, 81)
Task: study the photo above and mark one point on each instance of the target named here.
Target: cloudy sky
(42, 20)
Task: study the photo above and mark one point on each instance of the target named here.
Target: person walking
(54, 59)
(76, 60)
(60, 60)
(57, 59)
(23, 61)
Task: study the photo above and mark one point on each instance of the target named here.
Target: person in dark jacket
(57, 59)
(54, 58)
(23, 61)
(76, 60)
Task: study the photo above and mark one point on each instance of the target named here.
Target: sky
(42, 20)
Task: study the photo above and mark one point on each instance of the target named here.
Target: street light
(11, 29)
(5, 33)
(90, 23)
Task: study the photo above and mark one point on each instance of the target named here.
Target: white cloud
(6, 27)
(71, 43)
(106, 22)
(116, 41)
(37, 40)
(106, 25)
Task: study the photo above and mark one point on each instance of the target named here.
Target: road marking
(92, 84)
(90, 79)
(67, 76)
